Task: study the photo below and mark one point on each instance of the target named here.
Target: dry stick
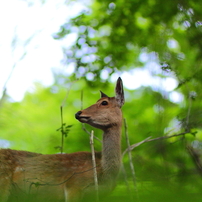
(2, 97)
(62, 130)
(130, 155)
(192, 152)
(129, 151)
(62, 123)
(188, 112)
(148, 139)
(13, 43)
(195, 155)
(61, 117)
(94, 165)
(26, 43)
(126, 181)
(82, 100)
(84, 129)
(5, 84)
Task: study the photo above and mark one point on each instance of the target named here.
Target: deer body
(67, 177)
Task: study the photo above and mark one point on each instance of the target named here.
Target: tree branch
(195, 155)
(130, 155)
(94, 165)
(148, 139)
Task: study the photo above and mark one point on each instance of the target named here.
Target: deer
(29, 176)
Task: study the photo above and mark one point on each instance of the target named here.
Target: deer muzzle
(81, 118)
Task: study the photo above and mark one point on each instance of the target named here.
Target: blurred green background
(123, 38)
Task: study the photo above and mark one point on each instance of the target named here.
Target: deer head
(106, 112)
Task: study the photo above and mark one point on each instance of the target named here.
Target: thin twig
(13, 43)
(62, 123)
(81, 99)
(62, 129)
(63, 132)
(84, 129)
(187, 129)
(94, 165)
(126, 181)
(5, 84)
(2, 97)
(67, 93)
(130, 155)
(148, 139)
(196, 158)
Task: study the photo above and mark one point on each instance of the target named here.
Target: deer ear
(103, 95)
(119, 92)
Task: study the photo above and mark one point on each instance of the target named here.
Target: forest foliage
(164, 39)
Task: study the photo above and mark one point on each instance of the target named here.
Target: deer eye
(104, 103)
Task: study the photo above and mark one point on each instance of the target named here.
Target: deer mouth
(83, 119)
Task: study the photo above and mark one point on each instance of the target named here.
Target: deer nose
(77, 115)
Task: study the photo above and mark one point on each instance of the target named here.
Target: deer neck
(111, 152)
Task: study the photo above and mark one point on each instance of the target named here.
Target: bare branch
(84, 129)
(81, 99)
(21, 57)
(5, 84)
(64, 129)
(187, 128)
(2, 97)
(94, 165)
(196, 158)
(126, 181)
(130, 155)
(148, 139)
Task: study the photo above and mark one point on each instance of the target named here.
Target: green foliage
(162, 167)
(34, 124)
(113, 37)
